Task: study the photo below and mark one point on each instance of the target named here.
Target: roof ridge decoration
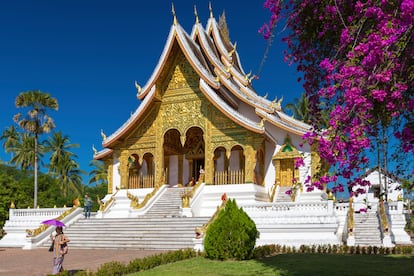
(196, 15)
(287, 150)
(231, 113)
(173, 13)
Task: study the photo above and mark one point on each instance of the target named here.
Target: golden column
(109, 174)
(123, 169)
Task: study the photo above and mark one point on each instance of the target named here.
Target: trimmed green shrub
(232, 235)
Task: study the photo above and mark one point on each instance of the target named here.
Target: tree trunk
(35, 172)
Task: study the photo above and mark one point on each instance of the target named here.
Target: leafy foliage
(357, 61)
(232, 235)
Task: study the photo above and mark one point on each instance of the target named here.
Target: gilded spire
(173, 12)
(196, 14)
(211, 9)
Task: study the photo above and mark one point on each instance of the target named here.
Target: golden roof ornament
(138, 87)
(279, 102)
(251, 78)
(272, 105)
(196, 14)
(173, 12)
(261, 124)
(234, 49)
(211, 9)
(103, 135)
(265, 96)
(248, 75)
(95, 152)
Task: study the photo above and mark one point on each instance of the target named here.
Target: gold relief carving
(222, 122)
(182, 115)
(110, 166)
(183, 74)
(145, 130)
(123, 169)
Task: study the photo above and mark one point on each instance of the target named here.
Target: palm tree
(70, 176)
(36, 122)
(11, 137)
(59, 146)
(300, 110)
(99, 175)
(62, 163)
(23, 153)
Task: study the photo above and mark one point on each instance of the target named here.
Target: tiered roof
(222, 80)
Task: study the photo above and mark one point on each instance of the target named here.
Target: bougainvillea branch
(357, 58)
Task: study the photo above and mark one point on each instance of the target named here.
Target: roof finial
(173, 12)
(196, 15)
(138, 87)
(95, 152)
(103, 135)
(211, 9)
(233, 50)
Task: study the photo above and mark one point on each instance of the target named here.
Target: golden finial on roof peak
(196, 14)
(211, 9)
(265, 96)
(173, 12)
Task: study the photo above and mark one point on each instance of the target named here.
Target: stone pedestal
(186, 212)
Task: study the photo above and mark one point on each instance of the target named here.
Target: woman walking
(60, 248)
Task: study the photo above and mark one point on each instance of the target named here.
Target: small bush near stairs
(232, 235)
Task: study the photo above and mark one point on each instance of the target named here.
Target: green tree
(99, 175)
(301, 111)
(23, 153)
(36, 121)
(62, 163)
(69, 175)
(232, 235)
(11, 137)
(59, 147)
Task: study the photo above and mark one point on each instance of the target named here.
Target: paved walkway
(38, 262)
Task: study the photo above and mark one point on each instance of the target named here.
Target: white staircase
(367, 229)
(161, 228)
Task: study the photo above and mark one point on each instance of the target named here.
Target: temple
(202, 134)
(200, 112)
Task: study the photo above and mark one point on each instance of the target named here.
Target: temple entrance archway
(183, 155)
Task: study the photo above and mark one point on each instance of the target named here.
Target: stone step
(161, 228)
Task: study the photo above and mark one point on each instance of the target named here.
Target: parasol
(53, 222)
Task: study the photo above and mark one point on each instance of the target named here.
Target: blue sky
(88, 54)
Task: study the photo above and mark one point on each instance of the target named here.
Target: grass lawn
(293, 264)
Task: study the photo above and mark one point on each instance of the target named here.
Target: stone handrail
(134, 200)
(350, 221)
(187, 195)
(103, 206)
(383, 218)
(287, 207)
(43, 227)
(273, 190)
(201, 231)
